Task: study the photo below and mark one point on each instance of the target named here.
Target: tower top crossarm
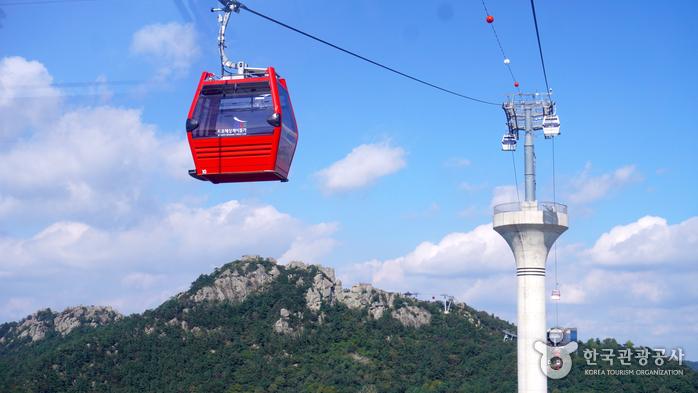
(520, 105)
(529, 112)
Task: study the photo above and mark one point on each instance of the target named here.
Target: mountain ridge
(232, 282)
(253, 325)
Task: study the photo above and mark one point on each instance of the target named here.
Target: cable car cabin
(555, 295)
(559, 337)
(551, 126)
(242, 129)
(508, 142)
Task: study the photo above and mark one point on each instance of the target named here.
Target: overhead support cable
(547, 87)
(505, 58)
(41, 2)
(236, 4)
(516, 179)
(540, 48)
(557, 282)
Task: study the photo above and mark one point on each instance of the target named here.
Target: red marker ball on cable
(490, 18)
(516, 84)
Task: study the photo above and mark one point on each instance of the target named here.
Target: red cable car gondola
(241, 128)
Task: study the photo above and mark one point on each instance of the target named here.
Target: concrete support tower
(530, 228)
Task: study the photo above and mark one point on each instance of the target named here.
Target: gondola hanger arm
(229, 6)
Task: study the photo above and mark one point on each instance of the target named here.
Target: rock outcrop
(322, 290)
(92, 316)
(34, 328)
(473, 319)
(412, 316)
(284, 324)
(38, 325)
(326, 289)
(366, 296)
(234, 286)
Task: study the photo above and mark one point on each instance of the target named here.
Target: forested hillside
(254, 326)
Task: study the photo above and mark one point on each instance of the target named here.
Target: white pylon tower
(530, 228)
(448, 302)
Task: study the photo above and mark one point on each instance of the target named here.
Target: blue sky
(392, 182)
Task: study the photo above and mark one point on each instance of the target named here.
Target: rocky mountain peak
(326, 289)
(44, 322)
(234, 282)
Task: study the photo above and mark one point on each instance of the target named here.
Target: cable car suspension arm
(223, 24)
(229, 6)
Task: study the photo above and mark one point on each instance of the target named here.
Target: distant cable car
(551, 126)
(555, 295)
(508, 142)
(556, 335)
(241, 128)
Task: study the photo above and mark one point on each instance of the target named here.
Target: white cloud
(479, 267)
(82, 145)
(586, 188)
(620, 287)
(182, 235)
(649, 240)
(573, 293)
(21, 79)
(497, 289)
(469, 254)
(172, 47)
(503, 194)
(597, 285)
(92, 210)
(77, 162)
(361, 167)
(74, 166)
(174, 248)
(650, 307)
(312, 245)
